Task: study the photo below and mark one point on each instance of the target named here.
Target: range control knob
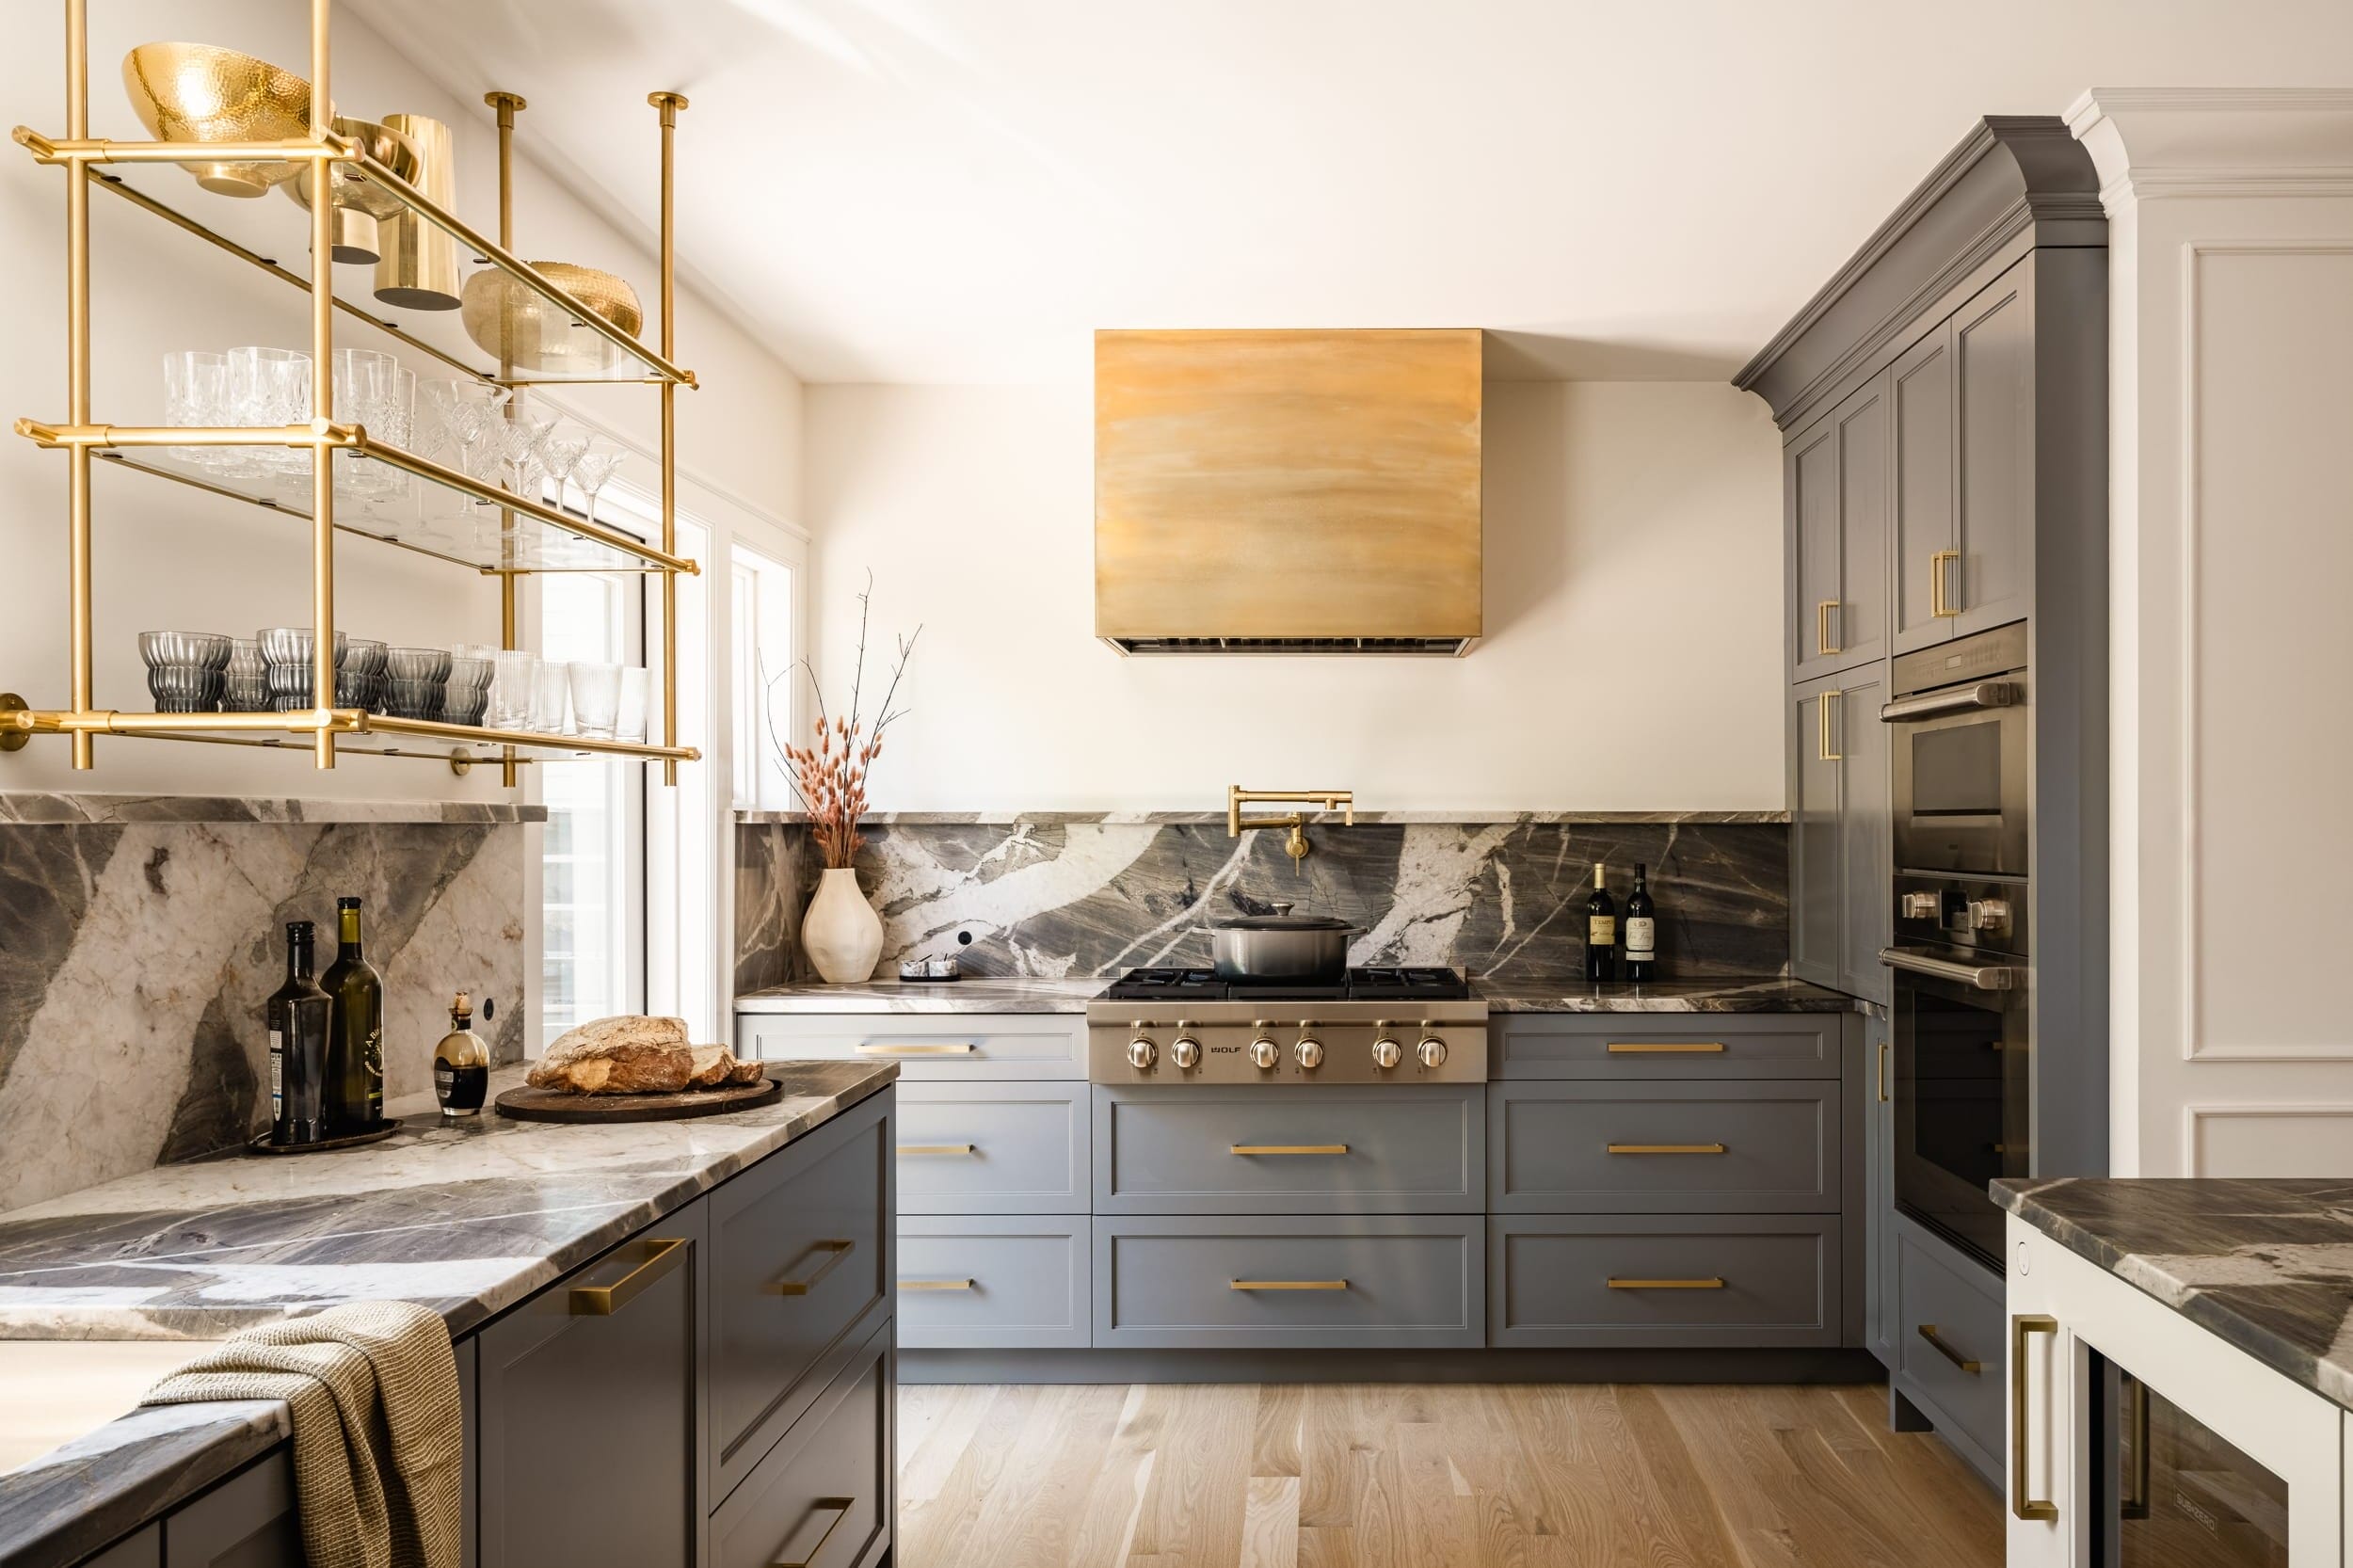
(1263, 1054)
(1142, 1052)
(1922, 907)
(1988, 914)
(1432, 1051)
(1386, 1053)
(1310, 1053)
(1185, 1051)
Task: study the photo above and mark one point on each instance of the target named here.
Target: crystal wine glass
(594, 470)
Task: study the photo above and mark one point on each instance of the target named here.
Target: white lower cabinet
(2137, 1439)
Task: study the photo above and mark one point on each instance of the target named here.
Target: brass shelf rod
(311, 720)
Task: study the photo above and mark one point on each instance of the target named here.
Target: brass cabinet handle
(1287, 1284)
(1617, 1047)
(1823, 614)
(1664, 1148)
(1883, 1072)
(938, 1047)
(841, 1508)
(835, 1248)
(2021, 1325)
(1928, 1332)
(1827, 711)
(1287, 1149)
(602, 1300)
(1943, 567)
(1709, 1284)
(934, 1285)
(934, 1149)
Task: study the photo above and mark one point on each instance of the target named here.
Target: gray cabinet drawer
(993, 1149)
(967, 1282)
(1767, 1146)
(248, 1521)
(823, 1496)
(799, 1272)
(1962, 1303)
(1652, 1280)
(1290, 1150)
(1667, 1045)
(1299, 1281)
(927, 1046)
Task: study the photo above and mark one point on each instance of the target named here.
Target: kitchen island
(489, 1222)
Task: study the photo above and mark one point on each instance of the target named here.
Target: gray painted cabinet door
(589, 1418)
(1809, 491)
(1879, 1155)
(248, 1521)
(1865, 835)
(1927, 433)
(1834, 490)
(1994, 353)
(1813, 823)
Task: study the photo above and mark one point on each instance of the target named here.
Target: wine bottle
(296, 1017)
(1642, 929)
(355, 1035)
(461, 1067)
(1601, 928)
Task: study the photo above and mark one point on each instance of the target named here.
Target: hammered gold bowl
(518, 325)
(200, 92)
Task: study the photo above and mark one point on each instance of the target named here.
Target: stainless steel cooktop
(1295, 1041)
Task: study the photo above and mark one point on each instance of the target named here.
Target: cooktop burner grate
(1400, 983)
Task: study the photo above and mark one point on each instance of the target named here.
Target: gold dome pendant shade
(418, 267)
(361, 205)
(522, 327)
(200, 92)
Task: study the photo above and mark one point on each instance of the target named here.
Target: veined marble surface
(935, 819)
(2265, 1266)
(995, 994)
(468, 1218)
(51, 807)
(1065, 900)
(135, 958)
(1020, 994)
(1663, 996)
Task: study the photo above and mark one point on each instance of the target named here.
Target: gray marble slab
(2265, 1266)
(936, 819)
(991, 994)
(39, 808)
(1771, 995)
(76, 1499)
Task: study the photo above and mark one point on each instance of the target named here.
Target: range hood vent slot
(1440, 646)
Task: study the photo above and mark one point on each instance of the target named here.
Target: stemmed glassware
(466, 408)
(594, 470)
(561, 452)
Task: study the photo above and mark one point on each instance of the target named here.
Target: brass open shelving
(354, 484)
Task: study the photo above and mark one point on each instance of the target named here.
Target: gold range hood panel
(1312, 491)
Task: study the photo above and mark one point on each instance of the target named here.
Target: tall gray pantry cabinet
(1942, 403)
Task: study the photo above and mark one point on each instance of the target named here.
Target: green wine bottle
(355, 1035)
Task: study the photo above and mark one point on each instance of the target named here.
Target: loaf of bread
(636, 1056)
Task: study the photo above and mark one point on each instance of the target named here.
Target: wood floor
(1331, 1475)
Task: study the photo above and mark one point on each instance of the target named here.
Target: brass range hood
(1293, 491)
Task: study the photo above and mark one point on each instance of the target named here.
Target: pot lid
(1283, 920)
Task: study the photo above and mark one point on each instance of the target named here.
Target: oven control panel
(1974, 915)
(1302, 1043)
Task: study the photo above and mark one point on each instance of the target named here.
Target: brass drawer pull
(1943, 569)
(1617, 1047)
(1287, 1284)
(942, 1047)
(1822, 614)
(1928, 1332)
(1711, 1284)
(1287, 1149)
(1664, 1148)
(1827, 708)
(934, 1285)
(1883, 1072)
(835, 1250)
(934, 1149)
(602, 1300)
(840, 1509)
(2021, 1325)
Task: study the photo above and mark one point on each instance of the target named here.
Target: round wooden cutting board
(526, 1104)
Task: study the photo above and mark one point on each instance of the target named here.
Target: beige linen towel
(378, 1434)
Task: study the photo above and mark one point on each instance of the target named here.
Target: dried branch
(828, 777)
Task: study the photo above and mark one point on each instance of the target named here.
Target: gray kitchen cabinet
(994, 1281)
(1866, 911)
(1815, 879)
(1651, 1046)
(1760, 1145)
(142, 1550)
(247, 1521)
(1879, 1195)
(1836, 503)
(1951, 1343)
(825, 1495)
(1925, 438)
(591, 1410)
(993, 1149)
(1648, 1280)
(1993, 362)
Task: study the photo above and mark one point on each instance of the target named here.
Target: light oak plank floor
(1464, 1476)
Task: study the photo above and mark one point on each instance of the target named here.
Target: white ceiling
(962, 191)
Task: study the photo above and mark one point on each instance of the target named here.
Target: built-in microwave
(1957, 749)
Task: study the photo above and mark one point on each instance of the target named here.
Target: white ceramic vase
(840, 932)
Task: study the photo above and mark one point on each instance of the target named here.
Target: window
(592, 850)
(769, 689)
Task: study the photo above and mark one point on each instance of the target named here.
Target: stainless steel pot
(1281, 946)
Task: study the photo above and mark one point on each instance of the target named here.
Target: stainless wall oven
(1958, 745)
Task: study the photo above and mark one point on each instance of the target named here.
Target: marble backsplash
(1069, 895)
(139, 941)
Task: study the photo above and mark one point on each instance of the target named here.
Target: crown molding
(2151, 143)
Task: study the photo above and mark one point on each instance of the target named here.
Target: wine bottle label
(277, 1074)
(1601, 931)
(1641, 935)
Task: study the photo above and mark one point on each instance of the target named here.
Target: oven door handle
(1977, 977)
(1960, 699)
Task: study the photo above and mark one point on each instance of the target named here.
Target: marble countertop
(2265, 1266)
(1021, 994)
(468, 1219)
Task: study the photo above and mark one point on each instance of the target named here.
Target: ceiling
(963, 190)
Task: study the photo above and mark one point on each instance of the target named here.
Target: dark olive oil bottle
(296, 1019)
(462, 1063)
(355, 1036)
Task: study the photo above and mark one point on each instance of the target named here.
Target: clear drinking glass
(637, 685)
(596, 698)
(266, 387)
(515, 673)
(550, 697)
(195, 392)
(466, 408)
